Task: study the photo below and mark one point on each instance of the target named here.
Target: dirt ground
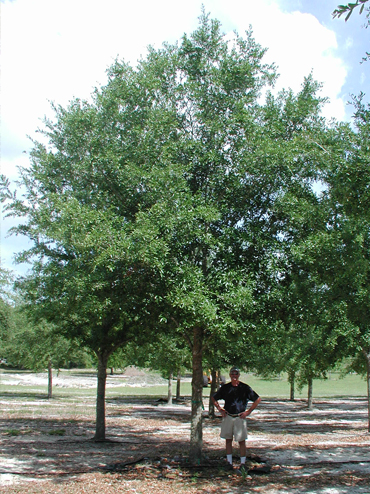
(290, 449)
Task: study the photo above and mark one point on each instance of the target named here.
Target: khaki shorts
(234, 427)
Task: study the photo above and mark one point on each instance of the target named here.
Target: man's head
(234, 372)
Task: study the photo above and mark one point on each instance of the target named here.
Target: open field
(46, 444)
(136, 382)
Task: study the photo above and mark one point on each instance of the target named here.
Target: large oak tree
(154, 204)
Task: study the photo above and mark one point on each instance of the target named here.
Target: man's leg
(229, 450)
(243, 451)
(229, 446)
(227, 427)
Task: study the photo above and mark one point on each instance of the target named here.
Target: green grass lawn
(334, 386)
(350, 386)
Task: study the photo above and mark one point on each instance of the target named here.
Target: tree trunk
(169, 399)
(214, 386)
(50, 379)
(196, 431)
(310, 387)
(100, 399)
(178, 384)
(291, 378)
(367, 356)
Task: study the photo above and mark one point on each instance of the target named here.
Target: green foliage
(4, 188)
(31, 345)
(349, 8)
(346, 243)
(167, 353)
(329, 282)
(165, 196)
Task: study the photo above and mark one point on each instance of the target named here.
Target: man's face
(234, 376)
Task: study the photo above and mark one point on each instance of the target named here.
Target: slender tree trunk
(368, 390)
(367, 357)
(169, 399)
(291, 378)
(50, 379)
(310, 388)
(196, 430)
(214, 385)
(100, 399)
(178, 385)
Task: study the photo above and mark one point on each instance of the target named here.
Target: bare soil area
(47, 447)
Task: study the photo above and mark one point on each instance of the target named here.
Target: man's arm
(217, 405)
(250, 410)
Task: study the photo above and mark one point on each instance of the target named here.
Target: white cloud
(349, 42)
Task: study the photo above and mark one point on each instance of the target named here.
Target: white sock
(230, 459)
(242, 459)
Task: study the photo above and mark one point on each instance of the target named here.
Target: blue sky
(352, 38)
(54, 50)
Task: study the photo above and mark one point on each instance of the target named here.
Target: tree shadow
(137, 428)
(25, 395)
(326, 416)
(70, 449)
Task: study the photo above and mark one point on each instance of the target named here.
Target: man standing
(234, 424)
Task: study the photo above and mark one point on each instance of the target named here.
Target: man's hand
(223, 412)
(245, 414)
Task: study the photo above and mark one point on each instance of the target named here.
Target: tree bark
(50, 379)
(214, 386)
(100, 399)
(196, 430)
(367, 357)
(310, 388)
(169, 398)
(291, 377)
(178, 384)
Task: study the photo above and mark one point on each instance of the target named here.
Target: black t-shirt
(236, 397)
